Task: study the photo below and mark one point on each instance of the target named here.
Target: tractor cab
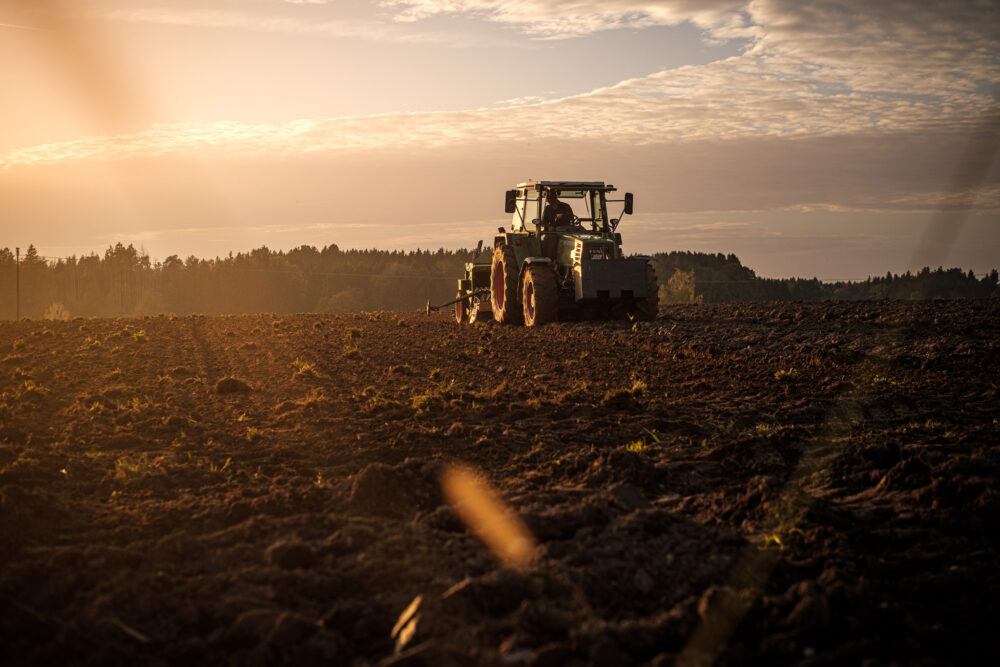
(588, 199)
(569, 237)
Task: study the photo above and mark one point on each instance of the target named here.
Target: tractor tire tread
(545, 295)
(461, 309)
(506, 309)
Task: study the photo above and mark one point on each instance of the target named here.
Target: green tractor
(561, 259)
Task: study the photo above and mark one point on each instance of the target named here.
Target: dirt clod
(290, 554)
(231, 385)
(252, 626)
(810, 615)
(380, 489)
(291, 629)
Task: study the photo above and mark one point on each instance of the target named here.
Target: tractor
(550, 267)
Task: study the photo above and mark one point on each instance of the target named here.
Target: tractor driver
(557, 213)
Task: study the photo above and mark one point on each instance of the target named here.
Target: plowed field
(756, 484)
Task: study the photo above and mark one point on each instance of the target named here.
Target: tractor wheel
(649, 308)
(540, 295)
(461, 309)
(503, 281)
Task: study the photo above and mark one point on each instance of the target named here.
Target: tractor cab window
(528, 209)
(588, 206)
(574, 198)
(597, 209)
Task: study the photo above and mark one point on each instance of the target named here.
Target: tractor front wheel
(540, 295)
(647, 309)
(503, 283)
(461, 309)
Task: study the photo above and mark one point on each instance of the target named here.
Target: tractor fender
(507, 238)
(524, 267)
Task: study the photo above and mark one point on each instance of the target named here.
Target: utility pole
(17, 263)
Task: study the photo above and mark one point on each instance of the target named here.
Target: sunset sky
(835, 139)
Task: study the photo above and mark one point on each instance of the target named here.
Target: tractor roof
(568, 185)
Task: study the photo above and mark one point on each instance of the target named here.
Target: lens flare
(492, 520)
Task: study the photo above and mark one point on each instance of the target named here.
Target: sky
(837, 139)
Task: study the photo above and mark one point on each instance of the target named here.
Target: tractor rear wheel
(540, 295)
(461, 309)
(503, 283)
(647, 309)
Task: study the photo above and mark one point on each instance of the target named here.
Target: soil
(745, 484)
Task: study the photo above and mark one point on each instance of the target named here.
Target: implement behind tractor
(561, 259)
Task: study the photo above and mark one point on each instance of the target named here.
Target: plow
(461, 303)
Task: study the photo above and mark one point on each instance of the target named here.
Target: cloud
(837, 105)
(894, 46)
(520, 101)
(745, 96)
(544, 19)
(720, 226)
(371, 30)
(560, 19)
(14, 26)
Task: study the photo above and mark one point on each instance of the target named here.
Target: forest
(125, 281)
(707, 278)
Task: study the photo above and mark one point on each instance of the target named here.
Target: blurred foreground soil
(753, 484)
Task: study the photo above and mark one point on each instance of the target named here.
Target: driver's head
(550, 197)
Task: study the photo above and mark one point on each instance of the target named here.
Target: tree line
(699, 277)
(125, 281)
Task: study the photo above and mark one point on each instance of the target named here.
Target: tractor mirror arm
(627, 210)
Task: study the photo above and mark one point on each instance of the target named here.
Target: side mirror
(510, 204)
(628, 203)
(479, 248)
